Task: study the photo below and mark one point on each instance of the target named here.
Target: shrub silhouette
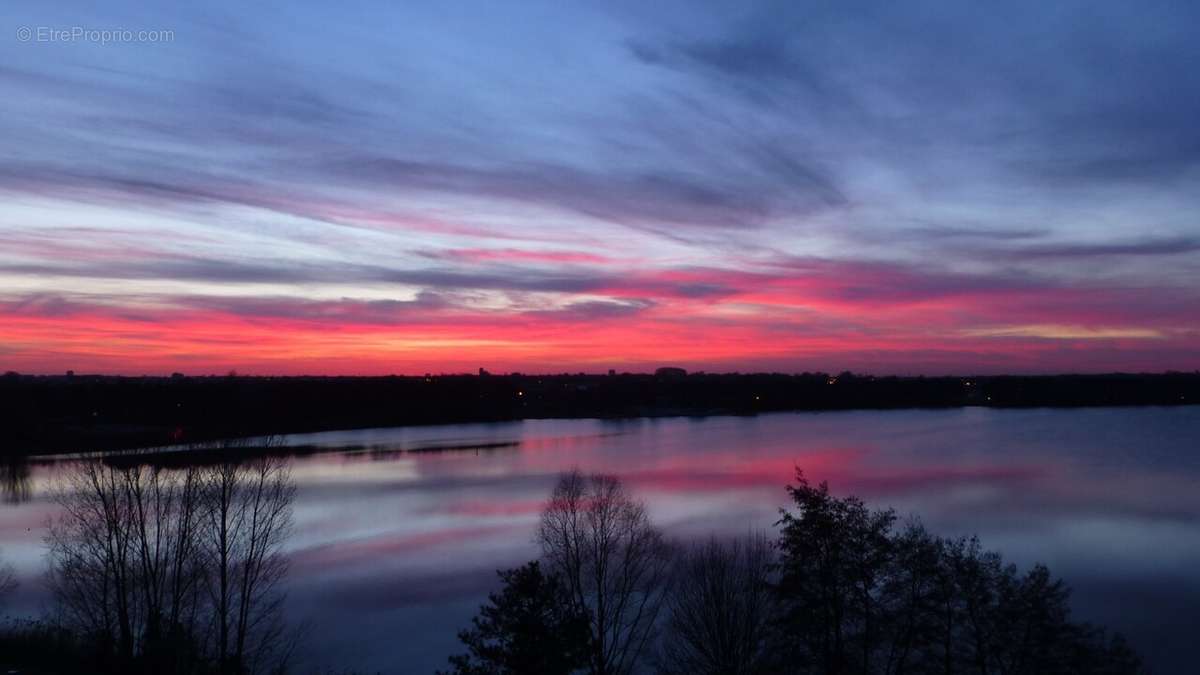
(530, 626)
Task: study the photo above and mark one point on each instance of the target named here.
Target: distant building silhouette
(670, 371)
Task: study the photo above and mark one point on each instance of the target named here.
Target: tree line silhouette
(65, 413)
(845, 590)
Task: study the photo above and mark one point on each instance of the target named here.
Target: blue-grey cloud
(1146, 247)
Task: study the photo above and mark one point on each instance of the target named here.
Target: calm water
(394, 549)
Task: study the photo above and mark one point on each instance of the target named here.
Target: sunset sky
(369, 188)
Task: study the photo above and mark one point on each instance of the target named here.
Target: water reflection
(15, 485)
(393, 541)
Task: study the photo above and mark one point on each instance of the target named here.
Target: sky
(378, 187)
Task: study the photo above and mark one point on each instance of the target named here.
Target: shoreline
(43, 415)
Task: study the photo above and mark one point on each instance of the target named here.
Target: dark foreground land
(83, 412)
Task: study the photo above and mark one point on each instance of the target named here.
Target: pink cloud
(515, 255)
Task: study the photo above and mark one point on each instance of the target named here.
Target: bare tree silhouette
(614, 562)
(173, 570)
(720, 610)
(246, 519)
(123, 564)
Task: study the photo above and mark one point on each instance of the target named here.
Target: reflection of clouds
(376, 594)
(518, 507)
(731, 470)
(340, 469)
(396, 546)
(976, 479)
(1114, 547)
(415, 540)
(23, 517)
(850, 470)
(1038, 485)
(26, 518)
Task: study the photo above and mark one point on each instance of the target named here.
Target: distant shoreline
(82, 413)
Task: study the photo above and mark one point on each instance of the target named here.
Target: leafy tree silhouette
(858, 597)
(530, 626)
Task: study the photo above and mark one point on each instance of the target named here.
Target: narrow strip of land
(73, 413)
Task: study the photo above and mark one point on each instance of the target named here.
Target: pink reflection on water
(390, 546)
(390, 537)
(515, 507)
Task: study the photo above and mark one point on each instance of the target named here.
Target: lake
(399, 531)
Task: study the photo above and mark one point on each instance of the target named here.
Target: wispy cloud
(762, 185)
